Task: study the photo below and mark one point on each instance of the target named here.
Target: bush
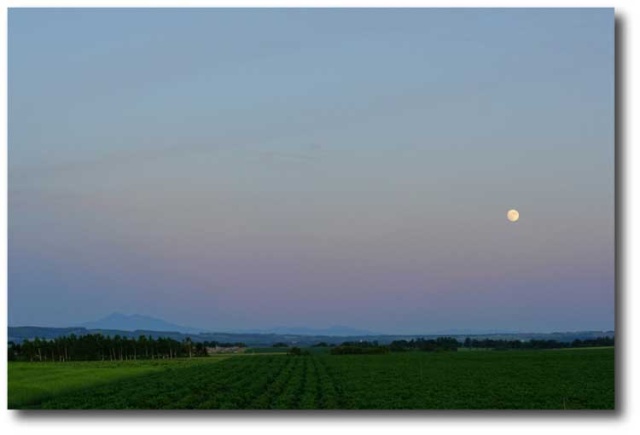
(296, 351)
(357, 350)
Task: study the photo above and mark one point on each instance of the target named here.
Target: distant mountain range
(136, 325)
(333, 331)
(137, 322)
(18, 334)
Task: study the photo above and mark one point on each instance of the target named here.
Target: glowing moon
(513, 215)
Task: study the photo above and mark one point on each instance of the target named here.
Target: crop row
(252, 382)
(414, 380)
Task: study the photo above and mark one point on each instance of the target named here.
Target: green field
(31, 383)
(545, 379)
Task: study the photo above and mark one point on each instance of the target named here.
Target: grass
(31, 383)
(544, 379)
(267, 350)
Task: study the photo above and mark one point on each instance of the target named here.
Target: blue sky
(255, 168)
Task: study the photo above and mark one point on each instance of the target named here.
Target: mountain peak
(335, 330)
(134, 322)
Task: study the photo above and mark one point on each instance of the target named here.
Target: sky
(247, 169)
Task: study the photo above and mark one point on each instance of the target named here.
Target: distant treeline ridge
(447, 344)
(97, 347)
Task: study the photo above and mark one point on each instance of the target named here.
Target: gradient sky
(236, 169)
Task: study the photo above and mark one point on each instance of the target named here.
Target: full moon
(513, 215)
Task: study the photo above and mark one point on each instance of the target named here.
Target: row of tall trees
(97, 347)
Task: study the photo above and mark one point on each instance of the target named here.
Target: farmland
(31, 383)
(544, 379)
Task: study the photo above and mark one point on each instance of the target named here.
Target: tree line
(450, 344)
(536, 344)
(97, 347)
(440, 344)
